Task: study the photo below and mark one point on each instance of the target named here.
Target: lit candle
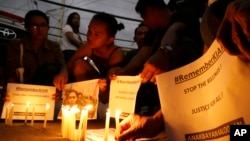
(65, 121)
(26, 113)
(72, 122)
(7, 114)
(117, 122)
(83, 112)
(45, 116)
(11, 114)
(85, 122)
(33, 115)
(107, 125)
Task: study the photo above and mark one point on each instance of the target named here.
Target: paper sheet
(36, 95)
(200, 100)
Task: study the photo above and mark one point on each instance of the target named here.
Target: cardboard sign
(29, 99)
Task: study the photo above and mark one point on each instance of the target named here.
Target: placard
(123, 91)
(201, 100)
(30, 99)
(82, 94)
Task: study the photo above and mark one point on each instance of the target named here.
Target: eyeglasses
(41, 26)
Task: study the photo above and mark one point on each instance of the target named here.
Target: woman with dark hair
(71, 37)
(97, 56)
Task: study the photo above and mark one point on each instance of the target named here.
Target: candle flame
(118, 112)
(88, 107)
(47, 106)
(28, 104)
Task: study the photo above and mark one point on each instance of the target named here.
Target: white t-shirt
(65, 44)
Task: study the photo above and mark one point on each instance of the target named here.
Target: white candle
(26, 112)
(33, 115)
(72, 122)
(83, 112)
(7, 114)
(107, 125)
(11, 114)
(45, 116)
(117, 122)
(85, 122)
(65, 121)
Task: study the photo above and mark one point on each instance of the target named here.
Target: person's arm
(138, 60)
(136, 126)
(72, 40)
(159, 61)
(61, 79)
(85, 50)
(69, 34)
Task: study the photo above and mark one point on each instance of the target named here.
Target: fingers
(59, 82)
(127, 135)
(147, 73)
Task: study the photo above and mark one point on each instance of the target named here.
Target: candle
(85, 121)
(65, 121)
(45, 116)
(80, 124)
(11, 114)
(7, 114)
(107, 125)
(26, 113)
(72, 122)
(33, 115)
(117, 122)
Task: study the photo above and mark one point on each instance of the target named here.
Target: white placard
(86, 94)
(200, 100)
(123, 91)
(36, 96)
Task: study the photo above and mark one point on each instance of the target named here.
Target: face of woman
(72, 98)
(97, 35)
(38, 28)
(76, 20)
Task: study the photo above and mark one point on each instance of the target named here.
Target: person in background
(211, 21)
(99, 49)
(39, 58)
(140, 31)
(173, 41)
(233, 34)
(71, 37)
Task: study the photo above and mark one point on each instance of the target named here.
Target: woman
(71, 38)
(99, 49)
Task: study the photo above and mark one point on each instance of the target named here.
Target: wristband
(166, 48)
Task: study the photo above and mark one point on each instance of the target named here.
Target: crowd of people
(170, 36)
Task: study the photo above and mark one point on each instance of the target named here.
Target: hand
(57, 96)
(113, 72)
(103, 90)
(60, 80)
(135, 127)
(157, 64)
